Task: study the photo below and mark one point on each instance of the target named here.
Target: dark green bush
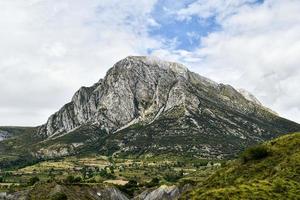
(59, 196)
(255, 153)
(71, 179)
(154, 182)
(187, 182)
(33, 180)
(200, 163)
(92, 180)
(173, 176)
(103, 173)
(77, 179)
(129, 188)
(279, 186)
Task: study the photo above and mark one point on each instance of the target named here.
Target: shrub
(33, 180)
(255, 153)
(200, 163)
(92, 180)
(187, 182)
(129, 188)
(279, 186)
(131, 183)
(59, 196)
(71, 179)
(1, 179)
(77, 179)
(173, 176)
(154, 182)
(111, 168)
(103, 173)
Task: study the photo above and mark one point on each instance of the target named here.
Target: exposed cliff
(145, 105)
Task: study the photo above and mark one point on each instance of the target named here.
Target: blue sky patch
(181, 34)
(187, 33)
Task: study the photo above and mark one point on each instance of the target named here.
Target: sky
(50, 48)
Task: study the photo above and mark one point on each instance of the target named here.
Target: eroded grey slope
(148, 105)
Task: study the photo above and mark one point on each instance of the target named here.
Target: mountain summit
(135, 89)
(146, 105)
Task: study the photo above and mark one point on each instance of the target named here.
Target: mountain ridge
(83, 95)
(141, 92)
(147, 106)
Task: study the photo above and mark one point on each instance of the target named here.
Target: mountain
(267, 171)
(148, 106)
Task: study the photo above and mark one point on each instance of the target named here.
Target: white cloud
(257, 49)
(212, 8)
(49, 48)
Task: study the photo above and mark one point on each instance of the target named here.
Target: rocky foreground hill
(46, 191)
(147, 106)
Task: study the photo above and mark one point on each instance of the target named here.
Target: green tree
(59, 196)
(111, 168)
(69, 179)
(33, 180)
(255, 153)
(154, 182)
(129, 188)
(173, 176)
(72, 180)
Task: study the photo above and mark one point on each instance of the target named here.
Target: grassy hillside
(15, 151)
(267, 171)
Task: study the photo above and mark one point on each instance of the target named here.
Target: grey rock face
(21, 195)
(146, 104)
(4, 135)
(162, 193)
(249, 96)
(133, 88)
(72, 192)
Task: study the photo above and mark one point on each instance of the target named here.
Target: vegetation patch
(59, 196)
(268, 171)
(255, 153)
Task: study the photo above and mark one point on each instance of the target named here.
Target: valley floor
(129, 176)
(266, 171)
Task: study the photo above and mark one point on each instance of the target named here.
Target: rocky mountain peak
(164, 99)
(147, 68)
(133, 87)
(137, 88)
(152, 61)
(249, 96)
